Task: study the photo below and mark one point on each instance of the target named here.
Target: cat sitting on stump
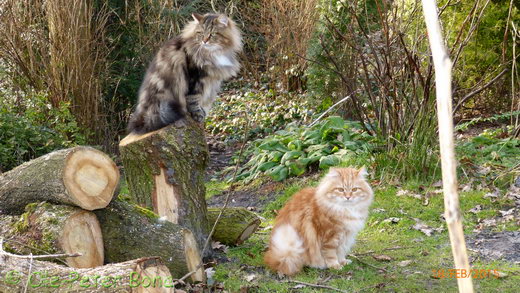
(185, 75)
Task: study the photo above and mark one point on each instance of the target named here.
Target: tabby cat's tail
(285, 254)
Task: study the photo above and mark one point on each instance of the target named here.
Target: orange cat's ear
(362, 172)
(333, 172)
(197, 17)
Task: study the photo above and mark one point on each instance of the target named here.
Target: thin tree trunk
(452, 213)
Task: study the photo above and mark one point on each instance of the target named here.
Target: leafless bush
(57, 46)
(286, 27)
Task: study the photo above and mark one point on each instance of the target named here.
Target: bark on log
(130, 231)
(53, 229)
(235, 225)
(136, 276)
(80, 176)
(165, 171)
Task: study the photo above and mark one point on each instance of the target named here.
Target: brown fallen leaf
(382, 257)
(392, 220)
(498, 274)
(427, 230)
(404, 263)
(476, 209)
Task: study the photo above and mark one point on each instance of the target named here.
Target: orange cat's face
(345, 186)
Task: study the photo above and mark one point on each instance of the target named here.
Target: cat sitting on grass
(185, 75)
(318, 226)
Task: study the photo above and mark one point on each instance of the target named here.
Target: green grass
(427, 253)
(215, 187)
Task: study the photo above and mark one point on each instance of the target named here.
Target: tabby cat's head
(213, 33)
(345, 186)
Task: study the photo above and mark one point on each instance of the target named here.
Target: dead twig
(367, 264)
(386, 249)
(491, 82)
(315, 285)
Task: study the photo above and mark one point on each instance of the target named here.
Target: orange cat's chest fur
(308, 217)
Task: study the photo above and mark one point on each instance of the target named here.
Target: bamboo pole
(452, 213)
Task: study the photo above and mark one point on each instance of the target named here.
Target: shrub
(35, 129)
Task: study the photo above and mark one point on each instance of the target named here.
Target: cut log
(52, 229)
(165, 171)
(235, 225)
(144, 275)
(130, 231)
(80, 176)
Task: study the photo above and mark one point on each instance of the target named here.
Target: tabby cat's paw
(198, 115)
(180, 123)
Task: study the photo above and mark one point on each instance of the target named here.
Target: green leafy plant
(34, 129)
(488, 157)
(262, 112)
(292, 151)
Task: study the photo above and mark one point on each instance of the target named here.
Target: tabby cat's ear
(362, 172)
(197, 17)
(223, 20)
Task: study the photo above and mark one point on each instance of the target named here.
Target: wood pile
(61, 213)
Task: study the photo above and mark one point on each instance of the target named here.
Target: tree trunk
(235, 225)
(130, 231)
(139, 275)
(80, 176)
(52, 229)
(165, 173)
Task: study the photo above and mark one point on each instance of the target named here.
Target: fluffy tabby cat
(318, 226)
(185, 75)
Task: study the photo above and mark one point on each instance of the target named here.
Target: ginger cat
(318, 226)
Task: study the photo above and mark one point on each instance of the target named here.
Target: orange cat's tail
(285, 254)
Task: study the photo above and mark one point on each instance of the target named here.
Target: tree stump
(130, 231)
(165, 171)
(235, 225)
(51, 229)
(80, 176)
(144, 275)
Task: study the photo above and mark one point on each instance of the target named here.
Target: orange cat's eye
(339, 189)
(355, 189)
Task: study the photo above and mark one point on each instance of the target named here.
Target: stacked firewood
(65, 206)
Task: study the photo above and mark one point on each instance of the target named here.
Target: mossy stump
(165, 171)
(130, 231)
(52, 229)
(79, 176)
(235, 225)
(144, 275)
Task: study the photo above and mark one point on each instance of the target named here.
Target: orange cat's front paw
(334, 265)
(345, 262)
